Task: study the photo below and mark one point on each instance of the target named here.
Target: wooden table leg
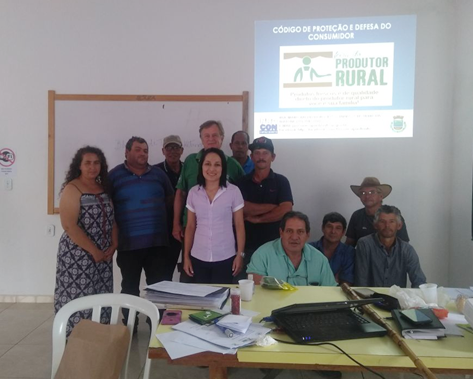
(216, 372)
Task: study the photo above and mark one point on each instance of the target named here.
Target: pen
(227, 331)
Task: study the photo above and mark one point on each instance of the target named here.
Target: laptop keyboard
(324, 319)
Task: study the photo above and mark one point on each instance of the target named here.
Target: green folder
(205, 317)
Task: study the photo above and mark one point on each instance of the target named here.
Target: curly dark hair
(74, 168)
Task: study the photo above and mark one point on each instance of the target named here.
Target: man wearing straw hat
(371, 193)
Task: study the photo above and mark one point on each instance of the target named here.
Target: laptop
(329, 321)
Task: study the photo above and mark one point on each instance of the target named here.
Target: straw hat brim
(385, 190)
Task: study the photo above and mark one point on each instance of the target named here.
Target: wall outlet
(8, 184)
(51, 230)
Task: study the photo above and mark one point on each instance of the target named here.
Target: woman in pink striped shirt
(213, 207)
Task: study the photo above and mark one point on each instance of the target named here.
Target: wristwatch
(241, 254)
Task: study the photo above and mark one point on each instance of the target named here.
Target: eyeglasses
(372, 192)
(173, 148)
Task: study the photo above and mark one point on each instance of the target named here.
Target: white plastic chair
(96, 303)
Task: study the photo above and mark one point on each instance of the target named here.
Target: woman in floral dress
(90, 238)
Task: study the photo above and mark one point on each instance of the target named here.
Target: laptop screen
(324, 307)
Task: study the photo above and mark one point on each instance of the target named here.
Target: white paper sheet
(451, 329)
(187, 339)
(183, 288)
(179, 344)
(214, 335)
(175, 349)
(236, 323)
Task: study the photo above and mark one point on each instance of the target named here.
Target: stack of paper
(423, 334)
(214, 335)
(167, 294)
(236, 323)
(190, 338)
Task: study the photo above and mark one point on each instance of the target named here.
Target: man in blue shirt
(239, 146)
(140, 193)
(340, 256)
(382, 258)
(290, 258)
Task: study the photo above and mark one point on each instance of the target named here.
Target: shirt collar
(148, 168)
(199, 155)
(320, 246)
(166, 168)
(271, 175)
(306, 256)
(379, 244)
(247, 162)
(219, 192)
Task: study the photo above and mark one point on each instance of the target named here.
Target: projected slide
(335, 78)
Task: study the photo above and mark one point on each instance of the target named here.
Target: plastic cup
(429, 292)
(246, 289)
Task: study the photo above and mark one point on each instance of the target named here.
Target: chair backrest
(96, 303)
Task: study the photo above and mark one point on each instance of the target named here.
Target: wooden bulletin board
(108, 121)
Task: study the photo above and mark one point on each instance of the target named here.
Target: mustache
(261, 161)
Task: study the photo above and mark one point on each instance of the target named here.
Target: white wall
(206, 47)
(461, 245)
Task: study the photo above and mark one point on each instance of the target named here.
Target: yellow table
(452, 355)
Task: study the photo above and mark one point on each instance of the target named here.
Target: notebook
(409, 330)
(329, 321)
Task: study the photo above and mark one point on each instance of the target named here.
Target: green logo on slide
(299, 75)
(398, 124)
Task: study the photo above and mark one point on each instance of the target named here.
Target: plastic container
(235, 299)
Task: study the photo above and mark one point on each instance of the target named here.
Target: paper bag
(94, 351)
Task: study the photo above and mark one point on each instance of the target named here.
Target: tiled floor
(25, 351)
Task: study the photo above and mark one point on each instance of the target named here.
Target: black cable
(338, 348)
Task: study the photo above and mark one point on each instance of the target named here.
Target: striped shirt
(140, 208)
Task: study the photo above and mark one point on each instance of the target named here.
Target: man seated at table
(290, 258)
(382, 259)
(341, 257)
(371, 193)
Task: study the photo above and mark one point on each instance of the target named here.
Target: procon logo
(268, 129)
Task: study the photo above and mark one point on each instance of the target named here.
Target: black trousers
(183, 277)
(152, 260)
(213, 272)
(246, 261)
(172, 255)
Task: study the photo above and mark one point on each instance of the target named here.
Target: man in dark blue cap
(267, 196)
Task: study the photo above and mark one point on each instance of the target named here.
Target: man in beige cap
(371, 193)
(172, 165)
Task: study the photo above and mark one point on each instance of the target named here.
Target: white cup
(429, 292)
(246, 289)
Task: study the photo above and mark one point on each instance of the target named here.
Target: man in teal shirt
(290, 258)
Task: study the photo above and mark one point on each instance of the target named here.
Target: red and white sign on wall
(7, 162)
